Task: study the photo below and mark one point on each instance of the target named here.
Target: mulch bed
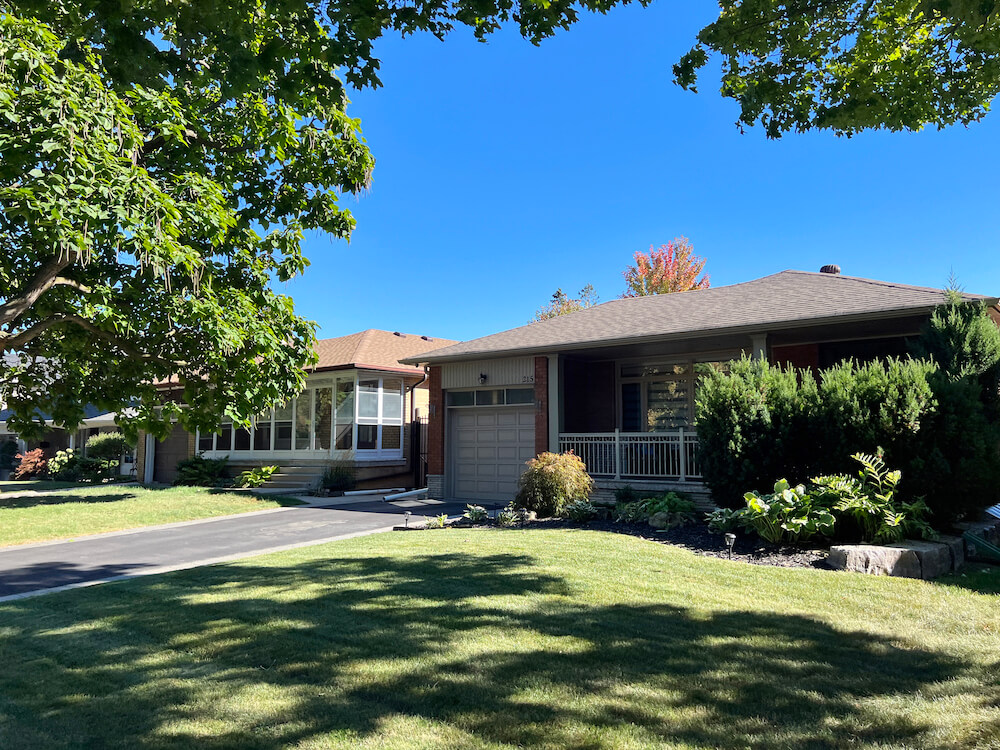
(698, 539)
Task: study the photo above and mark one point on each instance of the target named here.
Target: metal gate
(418, 451)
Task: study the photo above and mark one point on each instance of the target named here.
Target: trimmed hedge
(761, 422)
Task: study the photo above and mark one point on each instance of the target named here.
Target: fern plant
(871, 501)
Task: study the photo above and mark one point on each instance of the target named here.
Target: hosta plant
(476, 514)
(723, 520)
(788, 515)
(256, 476)
(580, 511)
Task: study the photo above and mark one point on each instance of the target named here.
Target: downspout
(413, 388)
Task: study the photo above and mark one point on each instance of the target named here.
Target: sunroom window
(363, 415)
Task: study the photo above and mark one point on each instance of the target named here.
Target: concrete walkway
(31, 569)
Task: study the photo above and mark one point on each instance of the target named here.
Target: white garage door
(489, 448)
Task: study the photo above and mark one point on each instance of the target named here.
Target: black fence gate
(418, 451)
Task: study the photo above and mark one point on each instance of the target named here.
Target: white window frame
(381, 420)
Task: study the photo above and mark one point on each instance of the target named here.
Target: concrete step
(289, 484)
(310, 471)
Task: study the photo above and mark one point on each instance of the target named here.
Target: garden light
(730, 541)
(406, 519)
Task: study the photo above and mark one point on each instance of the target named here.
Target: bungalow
(615, 383)
(359, 406)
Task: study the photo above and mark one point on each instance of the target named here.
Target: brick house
(615, 383)
(360, 404)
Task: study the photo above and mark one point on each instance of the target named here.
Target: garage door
(489, 448)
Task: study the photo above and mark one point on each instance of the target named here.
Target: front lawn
(38, 485)
(501, 639)
(95, 509)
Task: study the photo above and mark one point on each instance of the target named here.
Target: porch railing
(636, 455)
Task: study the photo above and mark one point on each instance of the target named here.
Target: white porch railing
(636, 455)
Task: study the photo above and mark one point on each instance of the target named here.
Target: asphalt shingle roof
(374, 349)
(788, 298)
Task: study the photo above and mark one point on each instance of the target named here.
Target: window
(283, 427)
(345, 415)
(242, 439)
(262, 432)
(659, 397)
(380, 414)
(324, 418)
(303, 421)
(224, 440)
(206, 441)
(492, 397)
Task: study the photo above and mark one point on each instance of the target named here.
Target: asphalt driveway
(48, 566)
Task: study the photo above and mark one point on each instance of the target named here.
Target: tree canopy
(672, 268)
(852, 65)
(160, 161)
(562, 304)
(159, 164)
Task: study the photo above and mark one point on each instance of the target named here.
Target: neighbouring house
(360, 405)
(615, 383)
(58, 438)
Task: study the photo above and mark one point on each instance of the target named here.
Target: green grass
(501, 639)
(33, 485)
(93, 510)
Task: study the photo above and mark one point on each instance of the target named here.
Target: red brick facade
(541, 404)
(435, 426)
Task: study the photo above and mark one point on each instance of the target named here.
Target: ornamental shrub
(340, 476)
(751, 424)
(32, 465)
(761, 422)
(199, 471)
(108, 446)
(551, 481)
(8, 451)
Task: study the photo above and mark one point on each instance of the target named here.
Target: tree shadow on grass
(253, 656)
(979, 577)
(32, 501)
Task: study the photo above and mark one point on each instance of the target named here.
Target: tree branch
(19, 340)
(63, 281)
(43, 280)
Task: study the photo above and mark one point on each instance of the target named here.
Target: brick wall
(541, 404)
(435, 425)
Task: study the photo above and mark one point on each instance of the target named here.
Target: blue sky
(506, 170)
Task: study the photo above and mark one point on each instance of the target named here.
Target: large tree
(160, 161)
(672, 268)
(853, 65)
(562, 304)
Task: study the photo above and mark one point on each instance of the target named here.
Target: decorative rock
(875, 560)
(956, 545)
(935, 559)
(660, 520)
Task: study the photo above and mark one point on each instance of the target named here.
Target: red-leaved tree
(672, 268)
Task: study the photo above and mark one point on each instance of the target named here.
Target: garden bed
(698, 539)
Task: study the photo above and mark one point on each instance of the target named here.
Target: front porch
(668, 455)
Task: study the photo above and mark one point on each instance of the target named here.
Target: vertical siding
(498, 372)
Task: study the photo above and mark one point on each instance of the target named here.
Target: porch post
(759, 343)
(554, 420)
(618, 454)
(683, 452)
